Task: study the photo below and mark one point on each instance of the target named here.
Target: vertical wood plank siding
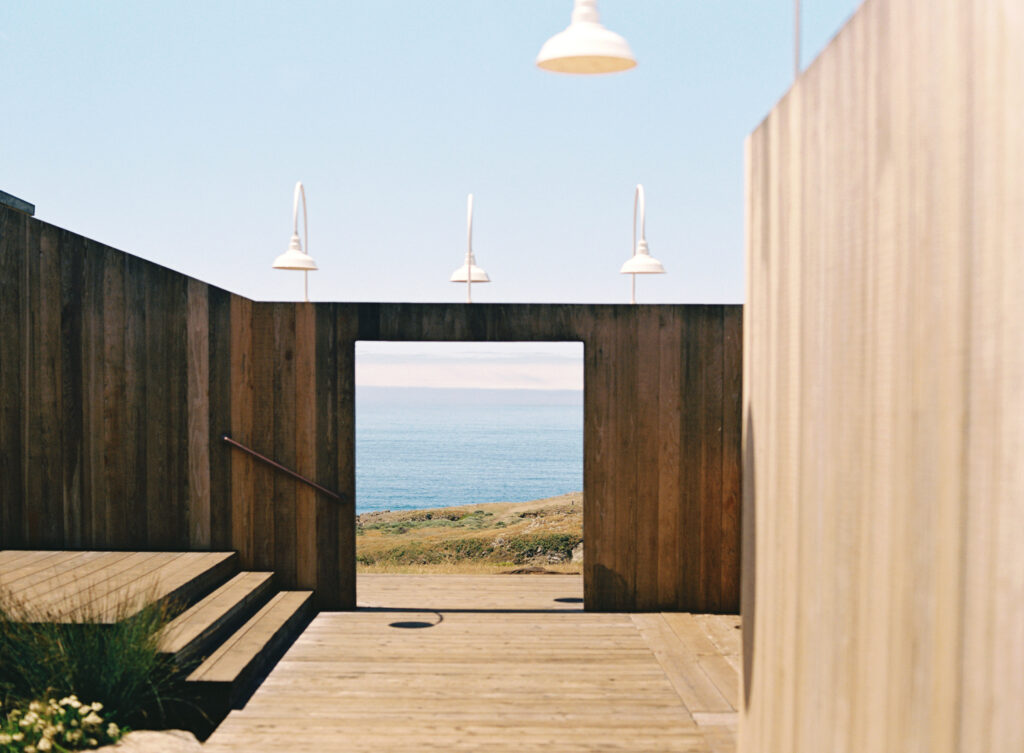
(883, 417)
(118, 378)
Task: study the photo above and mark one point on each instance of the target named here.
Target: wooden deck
(104, 586)
(494, 663)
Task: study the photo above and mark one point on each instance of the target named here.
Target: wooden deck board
(510, 663)
(40, 585)
(206, 614)
(32, 563)
(60, 584)
(240, 649)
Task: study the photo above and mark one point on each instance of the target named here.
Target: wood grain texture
(121, 376)
(305, 436)
(71, 419)
(13, 290)
(883, 415)
(135, 519)
(499, 665)
(220, 406)
(105, 587)
(198, 386)
(240, 427)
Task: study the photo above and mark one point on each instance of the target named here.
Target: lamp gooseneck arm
(469, 249)
(632, 239)
(638, 201)
(300, 191)
(469, 229)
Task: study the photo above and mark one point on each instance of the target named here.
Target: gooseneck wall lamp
(295, 257)
(585, 46)
(641, 262)
(469, 272)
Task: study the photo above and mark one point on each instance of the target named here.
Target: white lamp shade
(295, 258)
(586, 46)
(460, 274)
(642, 263)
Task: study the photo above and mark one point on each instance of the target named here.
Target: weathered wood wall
(118, 377)
(883, 594)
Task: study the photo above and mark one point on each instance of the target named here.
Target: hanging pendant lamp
(641, 262)
(585, 46)
(295, 257)
(469, 272)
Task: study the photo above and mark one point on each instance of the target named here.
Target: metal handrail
(284, 469)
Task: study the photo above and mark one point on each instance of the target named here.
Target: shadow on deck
(496, 663)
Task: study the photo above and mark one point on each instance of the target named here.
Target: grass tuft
(70, 649)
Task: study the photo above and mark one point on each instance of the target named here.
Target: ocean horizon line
(468, 395)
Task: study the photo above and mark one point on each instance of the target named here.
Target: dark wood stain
(13, 289)
(220, 419)
(98, 449)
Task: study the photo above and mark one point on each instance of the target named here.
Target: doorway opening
(469, 458)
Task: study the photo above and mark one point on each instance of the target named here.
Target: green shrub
(45, 654)
(473, 520)
(512, 550)
(522, 548)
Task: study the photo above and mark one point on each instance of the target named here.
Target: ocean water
(420, 448)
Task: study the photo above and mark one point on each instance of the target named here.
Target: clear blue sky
(176, 131)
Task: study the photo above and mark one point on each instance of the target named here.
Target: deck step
(196, 632)
(195, 575)
(106, 587)
(230, 675)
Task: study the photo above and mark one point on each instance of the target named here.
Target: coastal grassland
(488, 538)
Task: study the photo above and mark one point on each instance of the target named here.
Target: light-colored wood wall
(118, 378)
(883, 593)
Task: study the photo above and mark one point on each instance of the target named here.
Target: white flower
(49, 730)
(97, 706)
(35, 706)
(92, 742)
(93, 718)
(83, 709)
(113, 730)
(30, 749)
(45, 744)
(5, 739)
(18, 737)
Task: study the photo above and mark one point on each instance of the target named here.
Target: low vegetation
(474, 539)
(52, 658)
(67, 724)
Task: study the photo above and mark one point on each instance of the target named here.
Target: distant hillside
(497, 537)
